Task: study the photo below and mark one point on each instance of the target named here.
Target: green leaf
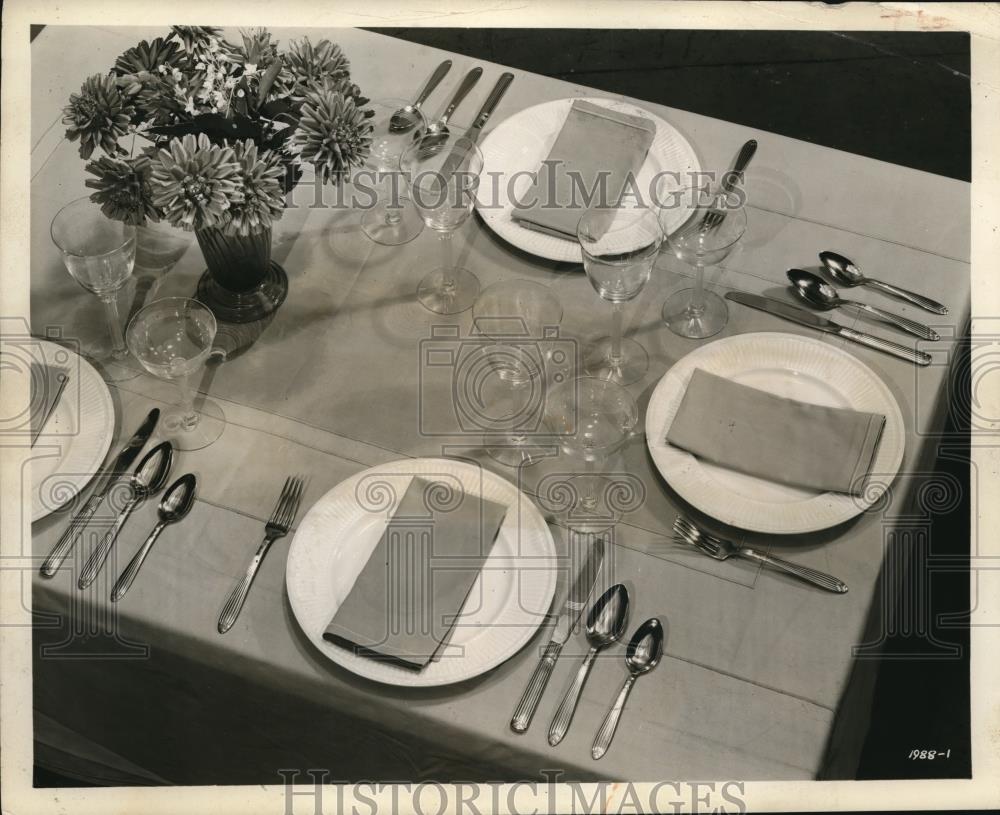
(267, 81)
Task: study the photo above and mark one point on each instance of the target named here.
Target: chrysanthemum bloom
(333, 134)
(263, 199)
(123, 189)
(306, 66)
(194, 182)
(98, 115)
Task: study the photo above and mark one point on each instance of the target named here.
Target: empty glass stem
(617, 310)
(118, 347)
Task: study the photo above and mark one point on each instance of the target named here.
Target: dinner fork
(715, 217)
(276, 527)
(722, 549)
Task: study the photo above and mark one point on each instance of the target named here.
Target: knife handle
(492, 100)
(536, 687)
(70, 536)
(886, 346)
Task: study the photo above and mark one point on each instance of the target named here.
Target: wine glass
(589, 418)
(99, 254)
(520, 319)
(619, 247)
(714, 227)
(172, 339)
(393, 220)
(442, 171)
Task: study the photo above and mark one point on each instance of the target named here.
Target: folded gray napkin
(47, 383)
(593, 139)
(783, 440)
(404, 603)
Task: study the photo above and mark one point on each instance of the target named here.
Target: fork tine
(293, 503)
(276, 514)
(286, 505)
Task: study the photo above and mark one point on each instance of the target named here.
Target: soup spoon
(848, 274)
(437, 130)
(407, 116)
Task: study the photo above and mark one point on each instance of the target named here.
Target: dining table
(761, 677)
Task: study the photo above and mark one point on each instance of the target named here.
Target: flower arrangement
(219, 131)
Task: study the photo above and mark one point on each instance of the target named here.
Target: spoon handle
(128, 575)
(912, 326)
(564, 715)
(468, 81)
(433, 82)
(905, 294)
(96, 560)
(607, 732)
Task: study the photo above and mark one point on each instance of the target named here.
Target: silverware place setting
(405, 118)
(847, 273)
(721, 549)
(438, 129)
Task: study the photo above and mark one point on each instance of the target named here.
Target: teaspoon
(407, 117)
(437, 131)
(820, 294)
(848, 274)
(643, 654)
(175, 504)
(605, 625)
(148, 478)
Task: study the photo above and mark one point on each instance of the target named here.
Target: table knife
(807, 318)
(110, 475)
(471, 136)
(584, 583)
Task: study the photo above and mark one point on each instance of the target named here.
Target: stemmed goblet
(392, 220)
(443, 173)
(714, 227)
(172, 339)
(99, 253)
(619, 247)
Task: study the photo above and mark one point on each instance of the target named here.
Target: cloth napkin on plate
(783, 440)
(593, 139)
(403, 605)
(47, 383)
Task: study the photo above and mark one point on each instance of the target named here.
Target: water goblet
(99, 253)
(393, 220)
(619, 247)
(442, 172)
(590, 419)
(172, 339)
(716, 223)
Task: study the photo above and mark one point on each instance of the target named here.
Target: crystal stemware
(99, 254)
(443, 174)
(392, 220)
(590, 419)
(172, 338)
(619, 247)
(712, 230)
(519, 321)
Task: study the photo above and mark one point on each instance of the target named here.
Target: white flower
(250, 68)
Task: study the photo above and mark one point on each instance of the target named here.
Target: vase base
(245, 306)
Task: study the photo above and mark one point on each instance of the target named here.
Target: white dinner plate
(521, 142)
(794, 367)
(507, 602)
(70, 449)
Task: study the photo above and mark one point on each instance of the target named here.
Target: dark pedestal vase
(242, 283)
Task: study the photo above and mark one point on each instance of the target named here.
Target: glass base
(695, 324)
(586, 506)
(630, 367)
(111, 368)
(245, 306)
(211, 423)
(513, 453)
(376, 225)
(448, 291)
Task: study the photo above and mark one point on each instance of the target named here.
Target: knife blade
(795, 314)
(105, 479)
(576, 601)
(463, 144)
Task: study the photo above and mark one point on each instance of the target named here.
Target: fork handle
(234, 605)
(742, 160)
(817, 578)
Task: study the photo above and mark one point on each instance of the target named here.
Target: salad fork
(276, 527)
(722, 549)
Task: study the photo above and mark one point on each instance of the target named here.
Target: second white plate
(794, 367)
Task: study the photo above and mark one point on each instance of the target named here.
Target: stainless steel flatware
(583, 584)
(175, 504)
(722, 549)
(463, 146)
(105, 479)
(729, 181)
(846, 272)
(149, 477)
(787, 311)
(276, 527)
(438, 129)
(642, 655)
(814, 290)
(406, 117)
(605, 625)
(62, 378)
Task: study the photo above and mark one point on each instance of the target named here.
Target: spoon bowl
(178, 499)
(152, 471)
(842, 269)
